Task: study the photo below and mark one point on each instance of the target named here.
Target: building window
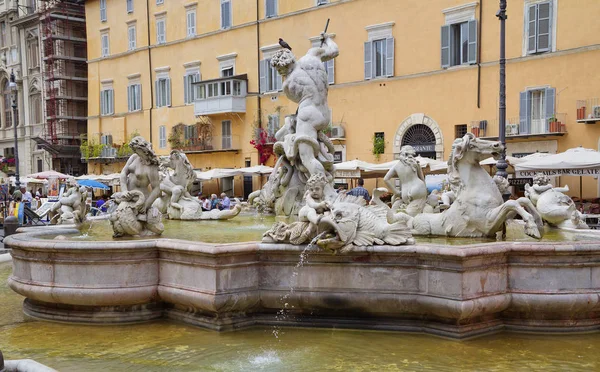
(159, 2)
(162, 137)
(379, 58)
(3, 34)
(270, 8)
(460, 130)
(103, 10)
(107, 102)
(129, 6)
(536, 108)
(228, 71)
(134, 97)
(33, 53)
(31, 6)
(105, 43)
(226, 14)
(459, 43)
(272, 125)
(8, 106)
(270, 80)
(539, 27)
(189, 89)
(131, 35)
(161, 31)
(35, 100)
(40, 165)
(226, 134)
(191, 22)
(322, 2)
(163, 91)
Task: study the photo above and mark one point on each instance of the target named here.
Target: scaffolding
(64, 53)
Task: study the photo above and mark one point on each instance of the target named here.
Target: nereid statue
(140, 187)
(177, 176)
(411, 197)
(556, 208)
(71, 207)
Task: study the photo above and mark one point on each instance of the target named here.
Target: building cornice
(226, 57)
(461, 7)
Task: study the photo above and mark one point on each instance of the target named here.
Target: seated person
(225, 202)
(214, 201)
(206, 204)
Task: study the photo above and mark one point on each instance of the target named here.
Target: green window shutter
(550, 95)
(263, 76)
(472, 51)
(445, 43)
(524, 114)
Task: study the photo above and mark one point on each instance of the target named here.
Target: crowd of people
(208, 204)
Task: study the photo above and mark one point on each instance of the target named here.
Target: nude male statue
(412, 193)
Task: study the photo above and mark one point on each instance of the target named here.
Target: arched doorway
(421, 132)
(422, 139)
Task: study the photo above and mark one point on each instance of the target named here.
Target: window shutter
(186, 95)
(331, 71)
(168, 92)
(524, 116)
(263, 76)
(279, 81)
(157, 94)
(112, 101)
(389, 56)
(129, 98)
(368, 60)
(225, 16)
(550, 95)
(445, 43)
(139, 96)
(532, 29)
(102, 111)
(472, 51)
(544, 12)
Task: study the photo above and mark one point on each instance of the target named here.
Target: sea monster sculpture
(556, 208)
(303, 148)
(479, 209)
(177, 176)
(340, 225)
(140, 187)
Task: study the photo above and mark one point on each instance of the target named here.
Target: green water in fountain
(250, 227)
(167, 346)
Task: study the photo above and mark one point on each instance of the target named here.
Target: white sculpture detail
(556, 208)
(177, 176)
(411, 197)
(140, 187)
(478, 209)
(303, 148)
(71, 207)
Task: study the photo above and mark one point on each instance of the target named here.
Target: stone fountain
(377, 278)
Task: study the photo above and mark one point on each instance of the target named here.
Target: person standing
(360, 190)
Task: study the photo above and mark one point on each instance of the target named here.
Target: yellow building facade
(194, 75)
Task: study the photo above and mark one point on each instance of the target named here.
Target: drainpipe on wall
(259, 112)
(150, 67)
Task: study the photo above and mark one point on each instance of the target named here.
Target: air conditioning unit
(512, 129)
(106, 140)
(109, 152)
(337, 132)
(596, 112)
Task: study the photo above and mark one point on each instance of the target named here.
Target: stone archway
(415, 119)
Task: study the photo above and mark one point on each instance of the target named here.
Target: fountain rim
(30, 238)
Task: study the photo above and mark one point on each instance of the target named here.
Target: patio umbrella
(216, 173)
(49, 174)
(577, 161)
(257, 169)
(93, 184)
(429, 166)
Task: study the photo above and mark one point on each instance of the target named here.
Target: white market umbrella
(49, 174)
(353, 165)
(434, 166)
(257, 169)
(216, 173)
(577, 161)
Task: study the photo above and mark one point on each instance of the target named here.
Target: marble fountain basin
(457, 291)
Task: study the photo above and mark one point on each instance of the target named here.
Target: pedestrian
(360, 190)
(225, 202)
(99, 205)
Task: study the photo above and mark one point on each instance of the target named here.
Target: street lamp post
(13, 88)
(501, 165)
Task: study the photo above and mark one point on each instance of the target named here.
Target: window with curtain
(35, 101)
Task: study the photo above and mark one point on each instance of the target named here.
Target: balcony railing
(220, 96)
(522, 127)
(588, 111)
(212, 144)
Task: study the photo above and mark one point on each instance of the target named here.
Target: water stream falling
(284, 313)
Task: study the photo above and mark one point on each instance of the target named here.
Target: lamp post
(13, 88)
(501, 165)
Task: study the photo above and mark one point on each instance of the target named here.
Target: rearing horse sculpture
(479, 209)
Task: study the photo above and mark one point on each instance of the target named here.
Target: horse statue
(479, 210)
(177, 176)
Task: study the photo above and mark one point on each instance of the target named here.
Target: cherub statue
(316, 205)
(555, 207)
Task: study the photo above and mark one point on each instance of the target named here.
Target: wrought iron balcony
(219, 96)
(517, 127)
(211, 144)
